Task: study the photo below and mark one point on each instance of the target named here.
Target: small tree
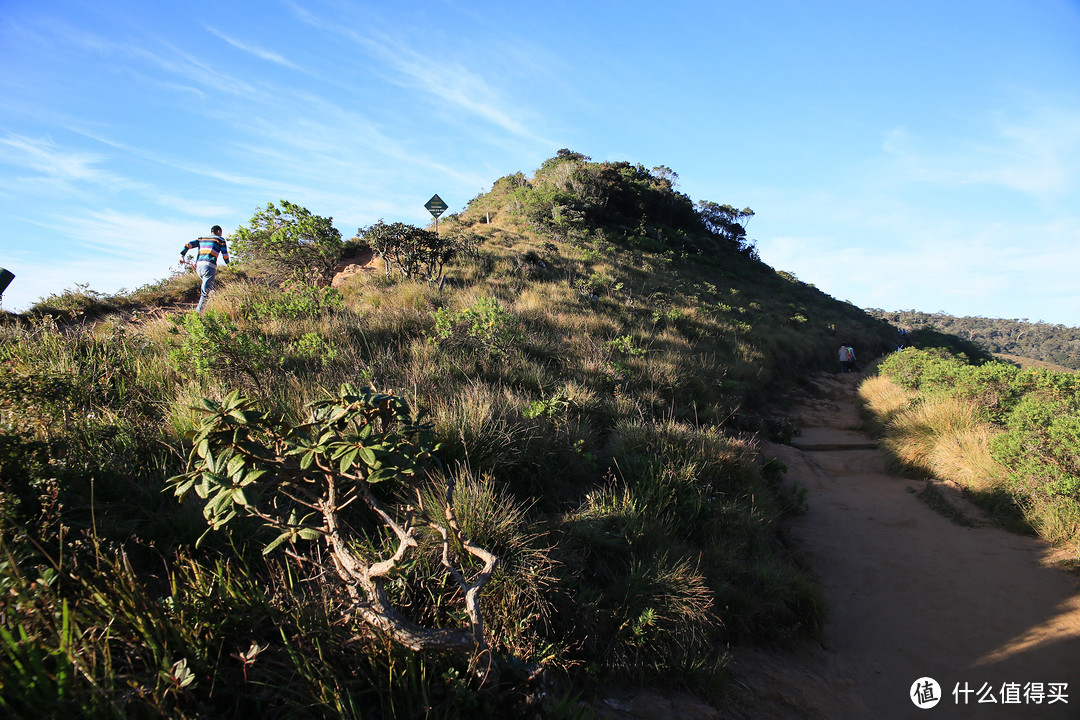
(726, 221)
(303, 479)
(414, 250)
(289, 240)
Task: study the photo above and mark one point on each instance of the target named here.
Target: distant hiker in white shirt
(846, 356)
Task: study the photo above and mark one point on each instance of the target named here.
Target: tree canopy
(289, 240)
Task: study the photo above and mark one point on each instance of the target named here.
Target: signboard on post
(436, 207)
(6, 276)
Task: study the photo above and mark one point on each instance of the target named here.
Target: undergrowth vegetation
(1010, 436)
(594, 362)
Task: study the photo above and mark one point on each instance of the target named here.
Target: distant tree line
(1058, 344)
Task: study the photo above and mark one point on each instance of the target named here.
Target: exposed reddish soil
(364, 262)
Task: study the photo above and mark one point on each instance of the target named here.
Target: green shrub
(312, 347)
(290, 241)
(297, 299)
(416, 252)
(213, 346)
(625, 345)
(484, 327)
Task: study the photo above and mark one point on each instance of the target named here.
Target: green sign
(436, 206)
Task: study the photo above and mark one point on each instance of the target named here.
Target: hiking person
(852, 367)
(210, 248)
(845, 359)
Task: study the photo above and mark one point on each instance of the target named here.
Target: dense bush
(289, 241)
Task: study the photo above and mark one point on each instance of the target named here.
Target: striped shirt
(210, 248)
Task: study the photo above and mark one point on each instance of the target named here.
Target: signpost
(6, 276)
(436, 207)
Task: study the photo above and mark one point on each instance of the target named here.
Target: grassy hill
(594, 370)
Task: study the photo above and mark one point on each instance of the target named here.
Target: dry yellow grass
(964, 456)
(941, 436)
(883, 397)
(535, 302)
(1028, 363)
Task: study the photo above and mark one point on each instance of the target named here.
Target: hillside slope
(597, 366)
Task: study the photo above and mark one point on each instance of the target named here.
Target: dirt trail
(910, 595)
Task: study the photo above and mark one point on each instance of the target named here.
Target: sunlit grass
(944, 437)
(597, 454)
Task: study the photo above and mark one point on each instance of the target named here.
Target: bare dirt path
(911, 594)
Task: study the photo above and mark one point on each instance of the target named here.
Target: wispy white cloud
(1036, 154)
(450, 82)
(443, 78)
(252, 49)
(199, 169)
(200, 73)
(139, 58)
(125, 236)
(79, 173)
(45, 159)
(329, 140)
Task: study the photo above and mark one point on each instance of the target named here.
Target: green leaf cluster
(290, 241)
(625, 345)
(297, 299)
(213, 344)
(247, 461)
(485, 326)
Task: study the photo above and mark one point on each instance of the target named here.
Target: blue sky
(902, 155)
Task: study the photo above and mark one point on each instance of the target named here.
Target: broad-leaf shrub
(485, 327)
(303, 480)
(296, 299)
(290, 241)
(415, 251)
(314, 348)
(212, 345)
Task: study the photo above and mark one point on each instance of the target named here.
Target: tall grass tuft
(519, 596)
(881, 401)
(936, 436)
